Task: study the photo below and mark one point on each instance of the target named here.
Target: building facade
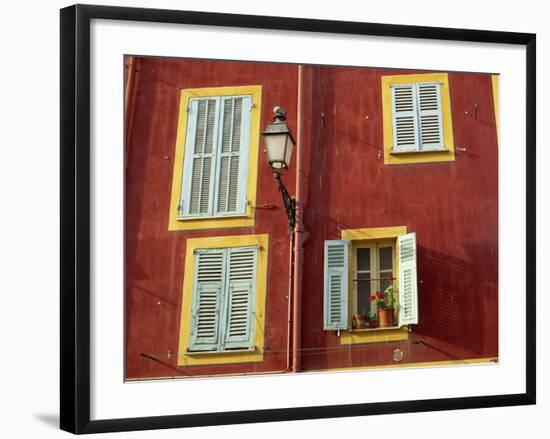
(399, 182)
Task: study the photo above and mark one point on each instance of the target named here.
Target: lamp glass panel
(288, 150)
(275, 148)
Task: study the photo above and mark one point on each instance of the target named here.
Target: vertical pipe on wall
(131, 80)
(289, 299)
(298, 229)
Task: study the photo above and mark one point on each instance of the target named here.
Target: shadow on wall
(458, 299)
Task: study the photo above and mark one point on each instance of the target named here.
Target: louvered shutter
(429, 110)
(233, 155)
(336, 285)
(405, 124)
(240, 298)
(408, 288)
(200, 158)
(207, 300)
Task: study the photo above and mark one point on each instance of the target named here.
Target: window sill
(224, 352)
(421, 151)
(212, 222)
(212, 218)
(374, 329)
(374, 335)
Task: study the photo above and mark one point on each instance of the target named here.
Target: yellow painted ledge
(374, 336)
(447, 155)
(210, 358)
(247, 220)
(373, 233)
(495, 81)
(472, 361)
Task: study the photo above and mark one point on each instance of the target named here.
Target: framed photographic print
(268, 218)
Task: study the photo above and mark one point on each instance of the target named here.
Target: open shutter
(429, 109)
(240, 303)
(207, 300)
(405, 132)
(336, 285)
(233, 156)
(408, 288)
(200, 156)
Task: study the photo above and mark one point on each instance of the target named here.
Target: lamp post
(279, 144)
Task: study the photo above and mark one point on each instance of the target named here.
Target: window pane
(363, 293)
(363, 259)
(385, 280)
(386, 262)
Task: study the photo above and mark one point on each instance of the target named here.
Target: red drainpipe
(298, 230)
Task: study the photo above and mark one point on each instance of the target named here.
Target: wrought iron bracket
(288, 201)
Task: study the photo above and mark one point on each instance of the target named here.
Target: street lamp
(279, 144)
(278, 141)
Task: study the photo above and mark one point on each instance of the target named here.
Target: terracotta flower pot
(385, 317)
(360, 321)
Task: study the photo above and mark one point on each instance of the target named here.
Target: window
(375, 255)
(215, 165)
(417, 118)
(223, 300)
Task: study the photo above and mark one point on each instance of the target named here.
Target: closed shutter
(239, 315)
(336, 285)
(429, 109)
(408, 288)
(207, 299)
(405, 132)
(233, 155)
(200, 158)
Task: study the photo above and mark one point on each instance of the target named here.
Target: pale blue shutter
(200, 158)
(408, 288)
(233, 150)
(207, 300)
(429, 114)
(404, 118)
(336, 291)
(240, 298)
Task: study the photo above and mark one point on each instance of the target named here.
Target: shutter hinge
(180, 206)
(252, 106)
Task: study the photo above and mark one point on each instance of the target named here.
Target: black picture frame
(75, 217)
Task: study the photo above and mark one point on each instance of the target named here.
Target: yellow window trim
(246, 220)
(185, 359)
(487, 360)
(495, 81)
(358, 236)
(396, 158)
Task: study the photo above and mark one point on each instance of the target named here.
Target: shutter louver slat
(431, 129)
(239, 317)
(207, 297)
(408, 288)
(233, 184)
(236, 129)
(336, 285)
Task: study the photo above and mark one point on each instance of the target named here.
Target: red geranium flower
(372, 298)
(379, 294)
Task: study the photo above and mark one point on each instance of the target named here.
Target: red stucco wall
(451, 206)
